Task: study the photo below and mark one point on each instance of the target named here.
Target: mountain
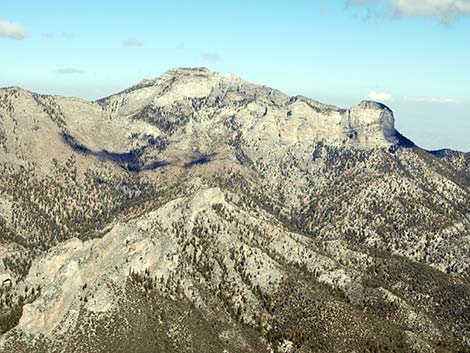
(198, 212)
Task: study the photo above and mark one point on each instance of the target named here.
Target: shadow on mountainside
(131, 161)
(128, 160)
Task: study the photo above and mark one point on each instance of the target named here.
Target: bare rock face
(371, 124)
(207, 99)
(198, 212)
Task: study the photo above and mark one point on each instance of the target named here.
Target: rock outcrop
(200, 212)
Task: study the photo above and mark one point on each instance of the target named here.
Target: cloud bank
(12, 30)
(433, 100)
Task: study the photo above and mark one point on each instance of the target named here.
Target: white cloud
(132, 42)
(361, 2)
(12, 30)
(380, 96)
(433, 100)
(69, 71)
(443, 10)
(211, 56)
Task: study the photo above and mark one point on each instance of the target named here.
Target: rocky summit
(198, 212)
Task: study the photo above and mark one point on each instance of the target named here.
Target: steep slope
(212, 245)
(200, 212)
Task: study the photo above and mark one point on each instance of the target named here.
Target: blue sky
(413, 55)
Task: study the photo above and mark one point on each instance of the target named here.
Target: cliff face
(255, 108)
(195, 105)
(200, 212)
(372, 124)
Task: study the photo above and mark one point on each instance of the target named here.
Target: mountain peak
(210, 212)
(372, 123)
(368, 104)
(188, 71)
(199, 92)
